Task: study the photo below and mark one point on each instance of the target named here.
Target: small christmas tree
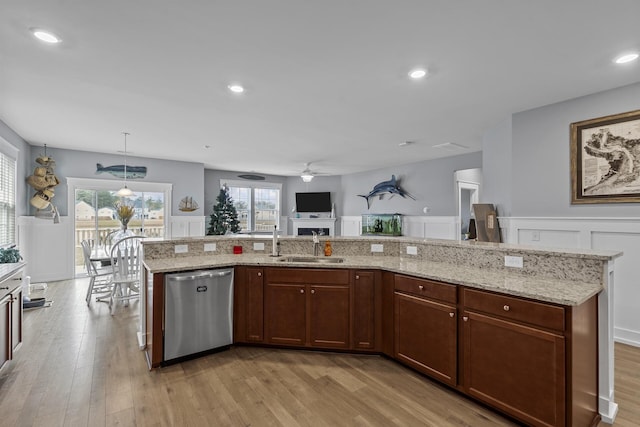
(224, 218)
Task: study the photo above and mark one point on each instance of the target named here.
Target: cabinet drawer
(535, 313)
(426, 288)
(307, 276)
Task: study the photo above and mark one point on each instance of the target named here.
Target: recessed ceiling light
(207, 146)
(417, 73)
(627, 57)
(45, 36)
(405, 143)
(235, 88)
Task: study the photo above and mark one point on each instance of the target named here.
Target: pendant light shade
(125, 191)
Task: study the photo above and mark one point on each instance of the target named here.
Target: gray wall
(541, 183)
(431, 182)
(23, 168)
(496, 168)
(187, 178)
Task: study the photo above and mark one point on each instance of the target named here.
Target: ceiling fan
(307, 174)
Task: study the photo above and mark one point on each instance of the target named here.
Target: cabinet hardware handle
(259, 274)
(302, 291)
(451, 314)
(313, 291)
(465, 318)
(421, 287)
(506, 308)
(357, 277)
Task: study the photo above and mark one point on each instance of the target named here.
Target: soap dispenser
(327, 248)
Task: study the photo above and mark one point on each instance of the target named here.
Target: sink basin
(315, 260)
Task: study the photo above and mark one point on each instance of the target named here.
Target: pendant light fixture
(124, 191)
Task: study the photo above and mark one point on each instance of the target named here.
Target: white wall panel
(618, 234)
(627, 294)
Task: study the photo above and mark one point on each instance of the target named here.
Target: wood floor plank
(81, 366)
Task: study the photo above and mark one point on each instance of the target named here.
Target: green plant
(10, 255)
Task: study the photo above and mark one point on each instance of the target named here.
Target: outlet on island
(513, 261)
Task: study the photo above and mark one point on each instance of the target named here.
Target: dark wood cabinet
(328, 316)
(426, 328)
(254, 282)
(363, 303)
(518, 357)
(307, 307)
(286, 314)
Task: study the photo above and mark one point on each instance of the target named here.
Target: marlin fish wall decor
(384, 187)
(133, 172)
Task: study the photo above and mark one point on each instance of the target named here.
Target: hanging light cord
(125, 157)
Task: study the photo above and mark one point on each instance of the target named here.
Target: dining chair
(99, 278)
(125, 271)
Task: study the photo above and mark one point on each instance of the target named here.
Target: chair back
(125, 258)
(86, 254)
(107, 240)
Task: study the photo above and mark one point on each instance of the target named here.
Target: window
(258, 204)
(7, 200)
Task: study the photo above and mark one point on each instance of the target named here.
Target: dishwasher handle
(204, 274)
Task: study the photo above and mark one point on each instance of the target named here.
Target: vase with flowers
(124, 212)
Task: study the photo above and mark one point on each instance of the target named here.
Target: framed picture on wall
(605, 159)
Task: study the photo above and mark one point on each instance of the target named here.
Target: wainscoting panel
(187, 226)
(431, 227)
(618, 234)
(47, 248)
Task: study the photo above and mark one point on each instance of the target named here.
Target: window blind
(7, 200)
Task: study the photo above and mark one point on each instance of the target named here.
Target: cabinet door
(5, 331)
(16, 319)
(363, 307)
(426, 336)
(255, 304)
(329, 316)
(285, 310)
(518, 369)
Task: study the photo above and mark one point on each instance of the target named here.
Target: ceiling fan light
(306, 177)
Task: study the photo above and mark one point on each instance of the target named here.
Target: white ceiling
(326, 81)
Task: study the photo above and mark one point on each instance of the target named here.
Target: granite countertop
(564, 292)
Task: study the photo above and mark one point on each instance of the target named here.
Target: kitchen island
(450, 310)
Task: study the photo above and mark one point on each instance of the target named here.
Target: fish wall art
(133, 172)
(386, 187)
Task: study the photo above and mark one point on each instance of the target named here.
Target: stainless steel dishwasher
(198, 312)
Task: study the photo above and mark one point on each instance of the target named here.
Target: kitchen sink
(325, 260)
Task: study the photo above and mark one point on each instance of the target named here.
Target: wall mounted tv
(313, 202)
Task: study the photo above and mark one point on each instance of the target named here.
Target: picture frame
(605, 159)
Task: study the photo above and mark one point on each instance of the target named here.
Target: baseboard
(626, 336)
(608, 410)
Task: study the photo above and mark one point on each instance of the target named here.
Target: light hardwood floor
(79, 366)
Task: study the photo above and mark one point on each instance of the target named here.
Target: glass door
(96, 220)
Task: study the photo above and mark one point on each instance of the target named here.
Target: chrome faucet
(316, 243)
